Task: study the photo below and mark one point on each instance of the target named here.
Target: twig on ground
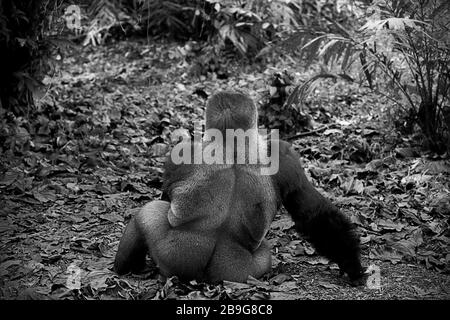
(308, 133)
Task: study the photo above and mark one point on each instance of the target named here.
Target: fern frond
(301, 92)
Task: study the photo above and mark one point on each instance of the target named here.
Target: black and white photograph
(224, 155)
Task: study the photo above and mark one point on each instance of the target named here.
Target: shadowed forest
(92, 92)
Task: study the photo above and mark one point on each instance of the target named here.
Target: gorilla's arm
(315, 217)
(144, 230)
(175, 173)
(139, 235)
(130, 256)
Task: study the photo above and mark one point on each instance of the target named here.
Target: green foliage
(179, 19)
(26, 49)
(104, 16)
(245, 25)
(300, 92)
(278, 112)
(249, 25)
(205, 60)
(407, 42)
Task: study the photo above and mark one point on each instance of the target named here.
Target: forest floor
(73, 174)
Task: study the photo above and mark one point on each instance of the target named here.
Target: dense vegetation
(399, 49)
(92, 90)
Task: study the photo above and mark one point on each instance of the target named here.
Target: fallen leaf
(280, 278)
(328, 285)
(321, 260)
(97, 279)
(44, 194)
(385, 253)
(387, 224)
(112, 217)
(406, 153)
(285, 222)
(9, 177)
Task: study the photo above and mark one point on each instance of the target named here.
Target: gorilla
(211, 222)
